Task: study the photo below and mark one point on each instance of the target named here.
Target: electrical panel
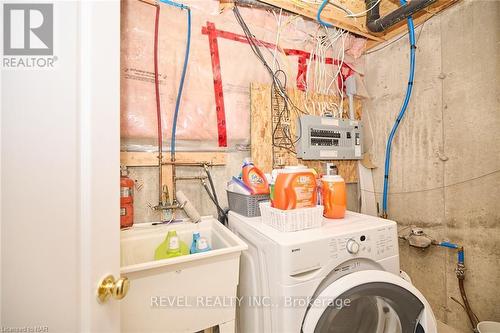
(326, 138)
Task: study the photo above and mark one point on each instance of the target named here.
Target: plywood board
(261, 129)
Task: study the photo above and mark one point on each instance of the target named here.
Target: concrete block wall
(445, 170)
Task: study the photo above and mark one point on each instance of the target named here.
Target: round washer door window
(369, 302)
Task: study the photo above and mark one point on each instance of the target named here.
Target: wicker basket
(291, 220)
(247, 205)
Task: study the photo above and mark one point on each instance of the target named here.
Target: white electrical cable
(335, 4)
(363, 13)
(278, 23)
(324, 41)
(340, 56)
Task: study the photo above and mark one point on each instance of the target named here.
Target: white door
(60, 132)
(370, 301)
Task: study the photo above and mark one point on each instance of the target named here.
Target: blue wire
(411, 30)
(184, 69)
(318, 16)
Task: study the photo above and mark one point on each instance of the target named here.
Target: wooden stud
(135, 159)
(147, 159)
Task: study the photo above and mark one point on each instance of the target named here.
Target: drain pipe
(376, 24)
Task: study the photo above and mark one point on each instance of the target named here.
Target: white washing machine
(342, 278)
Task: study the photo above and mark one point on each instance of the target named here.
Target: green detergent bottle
(171, 247)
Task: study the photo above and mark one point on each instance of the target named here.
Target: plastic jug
(171, 247)
(199, 244)
(334, 196)
(488, 327)
(254, 178)
(295, 187)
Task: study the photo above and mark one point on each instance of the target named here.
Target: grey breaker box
(326, 138)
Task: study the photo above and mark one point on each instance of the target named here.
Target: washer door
(369, 301)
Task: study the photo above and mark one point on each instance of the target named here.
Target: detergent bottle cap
(173, 242)
(202, 244)
(295, 167)
(332, 178)
(123, 171)
(247, 161)
(196, 235)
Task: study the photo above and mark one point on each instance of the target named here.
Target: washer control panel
(373, 243)
(377, 244)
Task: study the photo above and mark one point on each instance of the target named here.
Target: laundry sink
(181, 294)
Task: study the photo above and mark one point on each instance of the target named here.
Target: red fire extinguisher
(126, 200)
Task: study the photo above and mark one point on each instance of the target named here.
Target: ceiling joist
(357, 25)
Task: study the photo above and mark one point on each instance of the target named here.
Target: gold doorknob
(109, 287)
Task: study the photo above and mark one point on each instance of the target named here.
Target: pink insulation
(198, 124)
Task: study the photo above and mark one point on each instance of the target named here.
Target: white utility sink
(182, 294)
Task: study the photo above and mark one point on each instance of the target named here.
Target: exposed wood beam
(339, 18)
(141, 159)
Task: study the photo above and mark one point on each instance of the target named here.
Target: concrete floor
(445, 170)
(443, 328)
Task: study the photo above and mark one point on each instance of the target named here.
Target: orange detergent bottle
(334, 197)
(254, 178)
(295, 188)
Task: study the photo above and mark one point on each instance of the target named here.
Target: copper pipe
(191, 178)
(188, 164)
(172, 159)
(158, 108)
(157, 95)
(149, 2)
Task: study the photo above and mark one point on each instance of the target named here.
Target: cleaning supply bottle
(334, 196)
(171, 247)
(126, 199)
(199, 244)
(254, 178)
(295, 187)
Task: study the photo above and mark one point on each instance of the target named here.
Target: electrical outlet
(331, 169)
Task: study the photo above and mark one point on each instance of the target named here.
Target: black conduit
(375, 23)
